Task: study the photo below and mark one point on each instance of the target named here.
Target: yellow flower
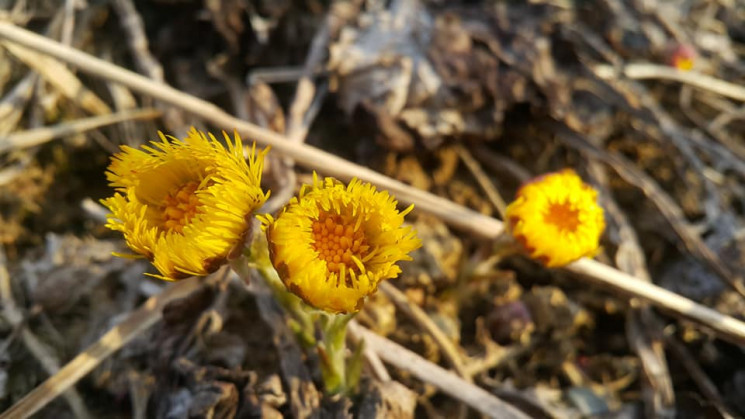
(556, 218)
(333, 244)
(185, 205)
(683, 57)
(683, 63)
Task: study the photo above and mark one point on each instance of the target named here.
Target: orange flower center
(336, 241)
(180, 206)
(563, 216)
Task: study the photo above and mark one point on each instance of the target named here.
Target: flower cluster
(556, 218)
(186, 205)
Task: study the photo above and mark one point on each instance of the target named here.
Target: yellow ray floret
(556, 218)
(333, 243)
(185, 205)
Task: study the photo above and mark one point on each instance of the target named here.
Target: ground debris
(408, 88)
(387, 400)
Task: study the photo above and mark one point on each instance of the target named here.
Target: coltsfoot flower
(682, 57)
(184, 205)
(333, 243)
(556, 218)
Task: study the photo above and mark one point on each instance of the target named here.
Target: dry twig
(307, 99)
(422, 319)
(483, 180)
(139, 46)
(726, 327)
(38, 136)
(12, 105)
(402, 358)
(641, 71)
(134, 27)
(56, 74)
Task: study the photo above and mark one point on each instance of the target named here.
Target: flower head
(682, 57)
(333, 244)
(184, 205)
(556, 218)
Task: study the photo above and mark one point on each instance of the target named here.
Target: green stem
(332, 352)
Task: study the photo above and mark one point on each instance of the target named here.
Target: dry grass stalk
(56, 74)
(421, 318)
(404, 359)
(38, 136)
(642, 71)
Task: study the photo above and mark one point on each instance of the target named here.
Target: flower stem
(332, 352)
